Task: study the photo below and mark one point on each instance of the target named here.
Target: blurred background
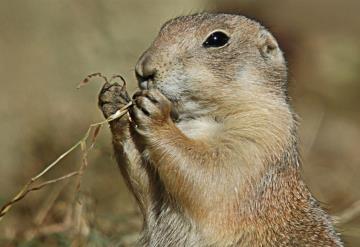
(48, 47)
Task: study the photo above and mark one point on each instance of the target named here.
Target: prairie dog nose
(145, 68)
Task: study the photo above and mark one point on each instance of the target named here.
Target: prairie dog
(211, 152)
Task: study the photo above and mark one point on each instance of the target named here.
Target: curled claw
(121, 78)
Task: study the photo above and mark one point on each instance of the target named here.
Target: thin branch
(52, 181)
(82, 143)
(48, 168)
(348, 214)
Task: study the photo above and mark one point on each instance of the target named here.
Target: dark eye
(216, 39)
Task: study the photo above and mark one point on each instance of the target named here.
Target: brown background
(48, 46)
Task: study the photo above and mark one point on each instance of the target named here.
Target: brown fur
(211, 155)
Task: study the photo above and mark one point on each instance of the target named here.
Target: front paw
(151, 110)
(111, 98)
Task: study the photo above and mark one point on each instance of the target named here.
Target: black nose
(145, 69)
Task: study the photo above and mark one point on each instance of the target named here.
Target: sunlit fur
(225, 172)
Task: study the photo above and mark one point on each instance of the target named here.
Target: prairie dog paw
(151, 109)
(111, 98)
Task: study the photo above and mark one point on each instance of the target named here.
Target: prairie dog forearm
(130, 162)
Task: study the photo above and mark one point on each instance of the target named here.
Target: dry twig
(82, 143)
(348, 214)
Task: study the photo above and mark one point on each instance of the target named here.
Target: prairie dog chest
(200, 128)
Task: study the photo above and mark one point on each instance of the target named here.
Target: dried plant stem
(29, 186)
(348, 214)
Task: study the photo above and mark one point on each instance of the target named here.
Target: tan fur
(211, 154)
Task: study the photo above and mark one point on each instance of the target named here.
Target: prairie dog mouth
(149, 84)
(146, 84)
(143, 85)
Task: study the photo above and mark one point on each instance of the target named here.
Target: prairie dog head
(206, 61)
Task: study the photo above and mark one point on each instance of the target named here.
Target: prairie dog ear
(269, 47)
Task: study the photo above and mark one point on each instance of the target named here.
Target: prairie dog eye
(216, 39)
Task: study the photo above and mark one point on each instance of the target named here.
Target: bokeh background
(48, 46)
